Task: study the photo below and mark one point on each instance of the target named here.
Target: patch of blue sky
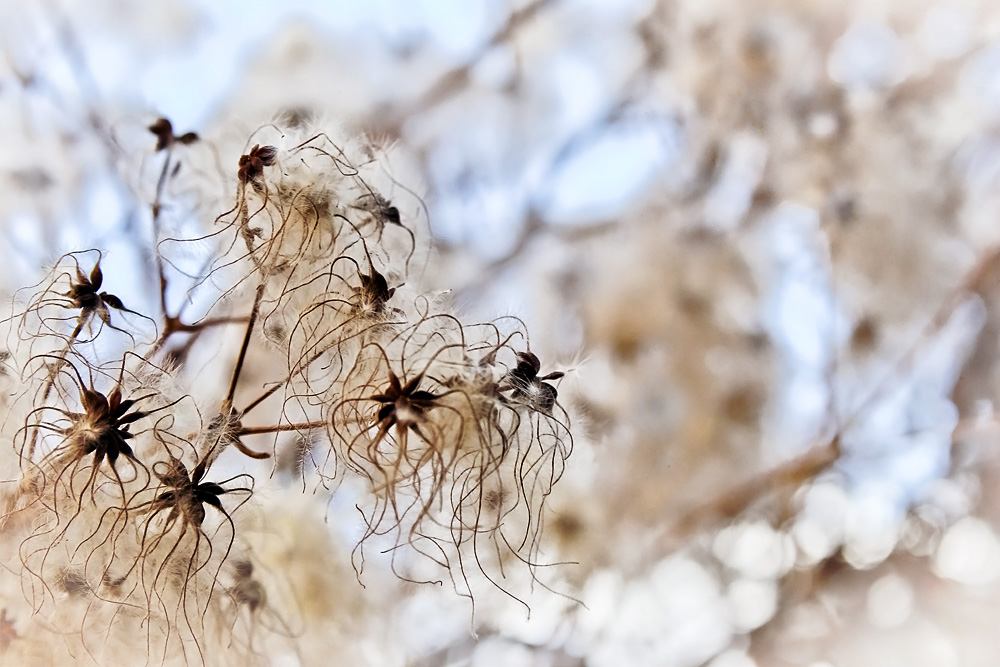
(579, 94)
(459, 29)
(980, 79)
(605, 175)
(801, 312)
(904, 437)
(485, 217)
(186, 90)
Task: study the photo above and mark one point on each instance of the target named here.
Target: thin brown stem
(52, 376)
(172, 323)
(175, 325)
(263, 397)
(157, 207)
(256, 430)
(204, 324)
(249, 452)
(269, 392)
(732, 503)
(246, 344)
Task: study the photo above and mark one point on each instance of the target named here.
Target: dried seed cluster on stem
(318, 323)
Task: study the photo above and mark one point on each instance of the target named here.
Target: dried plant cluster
(313, 348)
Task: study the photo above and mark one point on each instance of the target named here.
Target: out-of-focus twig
(818, 458)
(734, 501)
(454, 80)
(534, 228)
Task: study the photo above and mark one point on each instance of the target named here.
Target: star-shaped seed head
(252, 164)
